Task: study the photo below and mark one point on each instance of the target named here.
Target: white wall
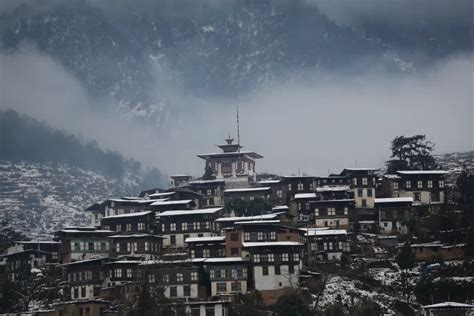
(273, 281)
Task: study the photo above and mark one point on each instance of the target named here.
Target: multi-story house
(140, 222)
(206, 247)
(248, 194)
(178, 279)
(363, 182)
(81, 243)
(146, 246)
(20, 265)
(326, 244)
(121, 206)
(298, 184)
(48, 246)
(333, 180)
(85, 278)
(163, 205)
(180, 180)
(227, 275)
(275, 264)
(211, 190)
(121, 272)
(332, 213)
(426, 187)
(178, 225)
(300, 206)
(337, 192)
(393, 212)
(229, 222)
(278, 189)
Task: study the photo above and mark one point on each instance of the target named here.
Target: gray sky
(307, 125)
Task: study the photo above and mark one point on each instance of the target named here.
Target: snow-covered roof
(269, 181)
(280, 207)
(391, 176)
(227, 259)
(161, 194)
(205, 239)
(103, 231)
(247, 190)
(408, 172)
(360, 169)
(257, 222)
(329, 188)
(37, 242)
(329, 201)
(271, 244)
(366, 222)
(395, 200)
(190, 212)
(175, 202)
(136, 236)
(239, 153)
(449, 304)
(305, 196)
(137, 214)
(248, 218)
(207, 181)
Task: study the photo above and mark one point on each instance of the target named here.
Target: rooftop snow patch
(248, 218)
(190, 212)
(128, 215)
(449, 304)
(305, 196)
(247, 190)
(271, 244)
(328, 188)
(205, 239)
(394, 200)
(176, 202)
(408, 172)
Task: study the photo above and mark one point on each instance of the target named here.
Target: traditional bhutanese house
(334, 192)
(393, 212)
(248, 194)
(233, 165)
(162, 195)
(300, 206)
(121, 272)
(179, 278)
(227, 275)
(125, 206)
(81, 243)
(143, 245)
(332, 213)
(363, 182)
(145, 194)
(206, 247)
(257, 231)
(298, 184)
(437, 250)
(140, 222)
(179, 180)
(96, 211)
(168, 205)
(326, 244)
(85, 278)
(278, 189)
(426, 187)
(275, 265)
(177, 225)
(211, 190)
(448, 309)
(49, 246)
(20, 265)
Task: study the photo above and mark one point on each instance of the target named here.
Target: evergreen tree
(411, 153)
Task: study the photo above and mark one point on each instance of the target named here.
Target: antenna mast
(238, 129)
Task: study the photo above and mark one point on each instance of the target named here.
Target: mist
(313, 125)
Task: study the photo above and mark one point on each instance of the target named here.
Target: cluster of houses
(186, 241)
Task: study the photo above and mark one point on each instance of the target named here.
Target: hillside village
(236, 242)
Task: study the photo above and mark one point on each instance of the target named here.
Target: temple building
(236, 167)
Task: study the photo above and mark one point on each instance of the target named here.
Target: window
(360, 192)
(441, 184)
(364, 181)
(83, 291)
(346, 210)
(129, 248)
(236, 287)
(300, 187)
(307, 206)
(184, 226)
(88, 275)
(279, 193)
(166, 278)
(173, 227)
(284, 257)
(77, 245)
(223, 273)
(289, 186)
(408, 184)
(221, 287)
(311, 186)
(208, 225)
(234, 251)
(369, 192)
(420, 184)
(354, 181)
(141, 226)
(364, 203)
(395, 185)
(206, 253)
(277, 270)
(272, 235)
(256, 257)
(135, 246)
(209, 192)
(173, 240)
(179, 277)
(118, 228)
(173, 291)
(129, 227)
(260, 235)
(234, 236)
(194, 276)
(212, 274)
(296, 257)
(118, 273)
(247, 236)
(331, 211)
(196, 225)
(265, 270)
(430, 184)
(117, 247)
(147, 246)
(186, 290)
(271, 257)
(163, 227)
(129, 273)
(316, 212)
(417, 196)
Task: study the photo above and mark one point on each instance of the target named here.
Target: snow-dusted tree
(411, 153)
